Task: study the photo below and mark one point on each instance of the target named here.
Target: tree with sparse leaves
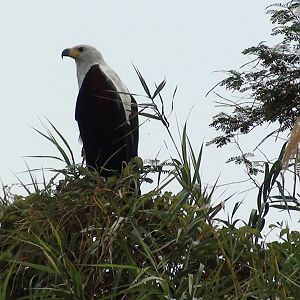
(268, 85)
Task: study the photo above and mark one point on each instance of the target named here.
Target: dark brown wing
(106, 136)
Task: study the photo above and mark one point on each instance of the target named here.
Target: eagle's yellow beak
(71, 52)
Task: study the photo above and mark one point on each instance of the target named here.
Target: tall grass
(86, 237)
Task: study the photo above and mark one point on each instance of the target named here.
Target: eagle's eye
(80, 49)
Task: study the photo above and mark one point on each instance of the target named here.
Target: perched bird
(106, 112)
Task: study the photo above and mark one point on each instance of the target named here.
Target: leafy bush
(87, 238)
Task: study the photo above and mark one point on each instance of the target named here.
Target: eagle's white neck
(82, 67)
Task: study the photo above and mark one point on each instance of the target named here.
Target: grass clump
(90, 238)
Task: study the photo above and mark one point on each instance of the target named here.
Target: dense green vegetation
(85, 237)
(79, 236)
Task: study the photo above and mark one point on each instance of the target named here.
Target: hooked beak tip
(66, 52)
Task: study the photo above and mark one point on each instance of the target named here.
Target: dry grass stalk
(292, 146)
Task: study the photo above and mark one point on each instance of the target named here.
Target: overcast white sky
(182, 41)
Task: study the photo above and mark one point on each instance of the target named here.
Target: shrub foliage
(93, 239)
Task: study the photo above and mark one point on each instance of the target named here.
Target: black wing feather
(108, 140)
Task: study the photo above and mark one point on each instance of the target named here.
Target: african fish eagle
(106, 112)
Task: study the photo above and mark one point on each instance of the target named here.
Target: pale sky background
(182, 41)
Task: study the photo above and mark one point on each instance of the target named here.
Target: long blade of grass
(143, 82)
(64, 141)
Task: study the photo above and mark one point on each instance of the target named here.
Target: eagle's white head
(85, 56)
